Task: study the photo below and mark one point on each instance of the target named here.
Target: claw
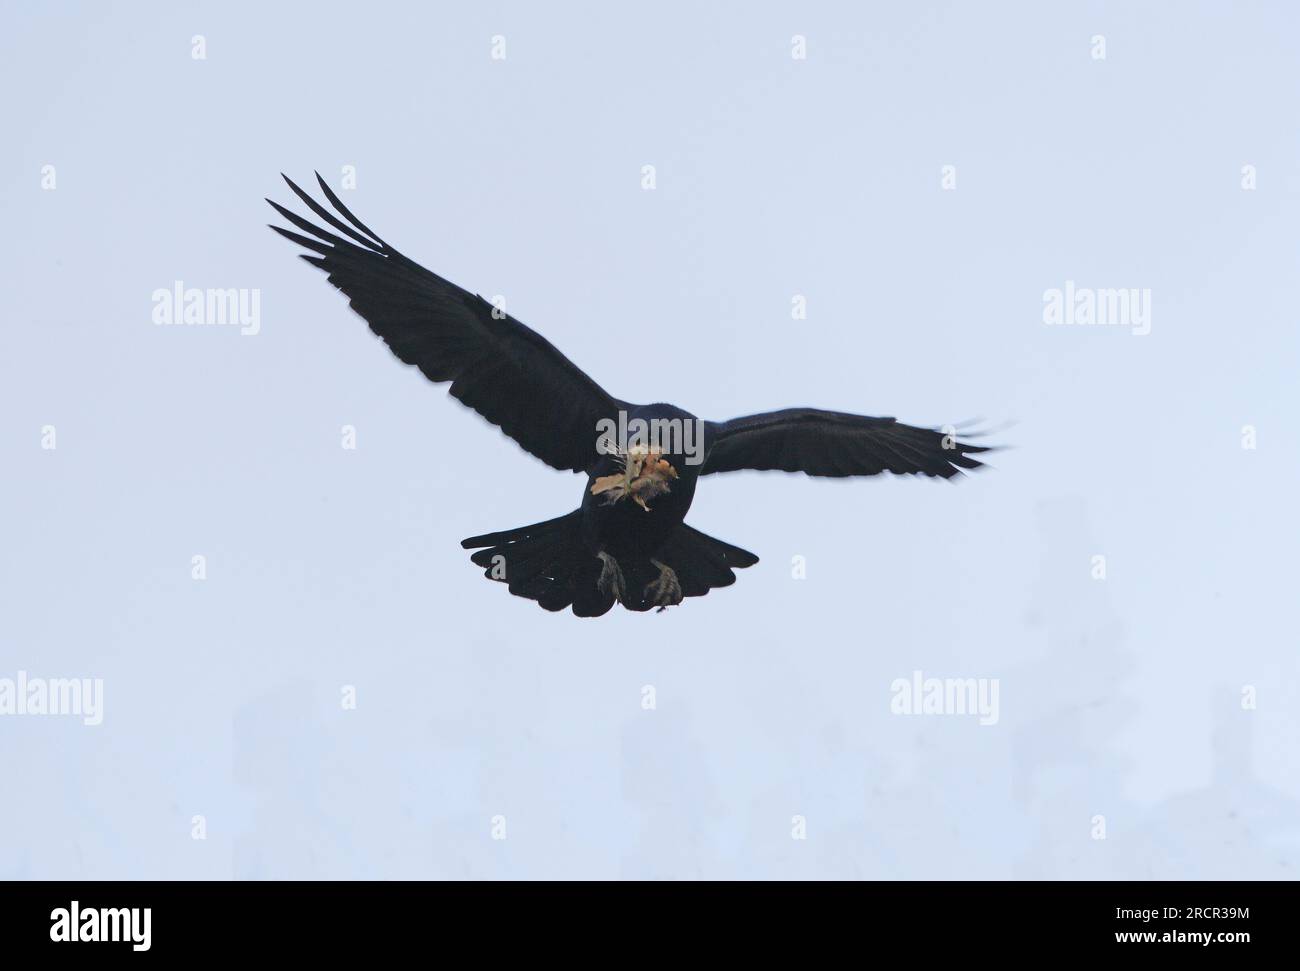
(611, 580)
(666, 591)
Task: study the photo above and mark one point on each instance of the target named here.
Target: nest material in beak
(645, 475)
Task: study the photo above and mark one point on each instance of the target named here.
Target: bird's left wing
(832, 443)
(509, 374)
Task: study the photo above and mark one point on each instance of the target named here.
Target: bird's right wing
(509, 374)
(832, 443)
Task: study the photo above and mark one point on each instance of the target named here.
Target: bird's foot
(611, 582)
(666, 591)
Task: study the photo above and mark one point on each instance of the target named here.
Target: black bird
(627, 541)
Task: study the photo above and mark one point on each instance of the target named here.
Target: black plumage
(627, 542)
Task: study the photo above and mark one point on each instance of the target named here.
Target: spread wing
(509, 374)
(832, 443)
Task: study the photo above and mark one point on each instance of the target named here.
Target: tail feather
(701, 562)
(546, 562)
(560, 524)
(549, 563)
(588, 601)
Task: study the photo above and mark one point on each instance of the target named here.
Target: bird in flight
(627, 542)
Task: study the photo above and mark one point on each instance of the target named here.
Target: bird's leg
(611, 578)
(666, 591)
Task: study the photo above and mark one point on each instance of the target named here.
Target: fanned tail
(546, 562)
(701, 563)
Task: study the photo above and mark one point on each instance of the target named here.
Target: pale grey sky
(1118, 698)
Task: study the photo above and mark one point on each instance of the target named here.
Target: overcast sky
(923, 176)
